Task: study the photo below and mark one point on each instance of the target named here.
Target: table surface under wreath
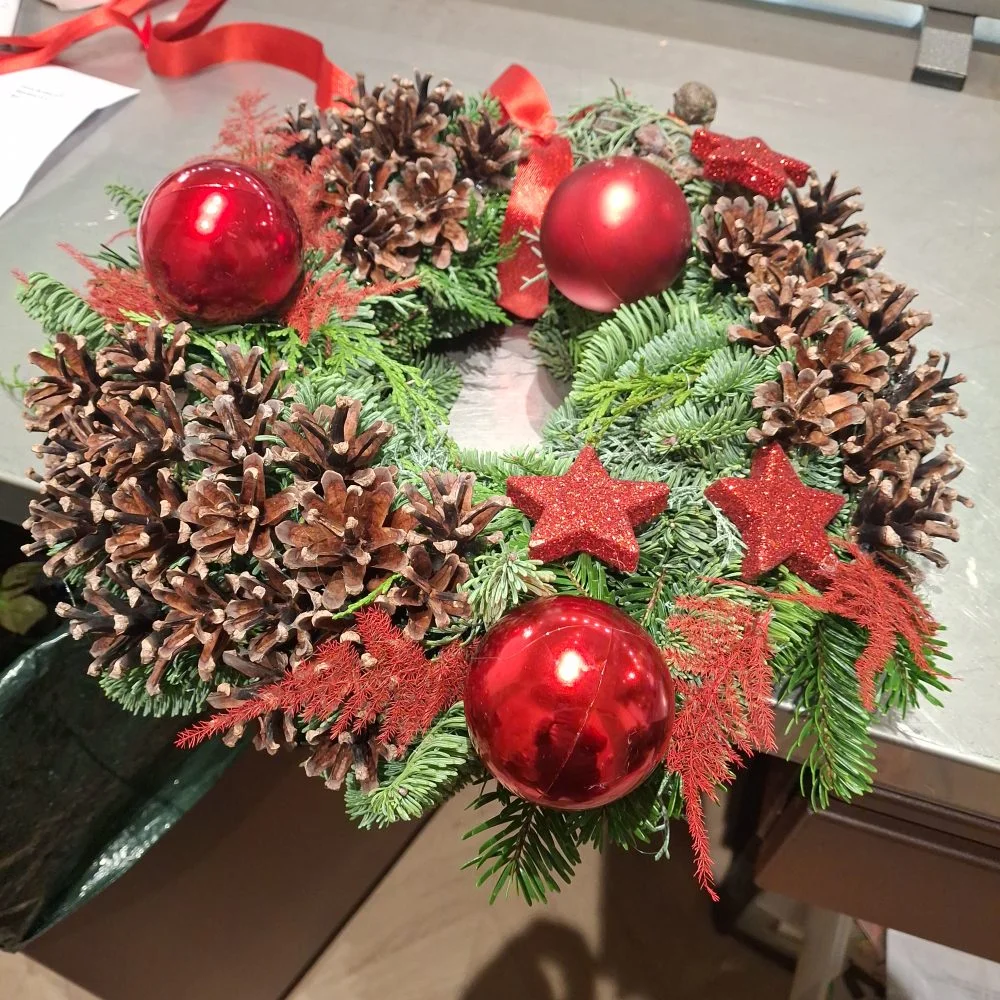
(923, 158)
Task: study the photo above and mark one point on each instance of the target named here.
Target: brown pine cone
(378, 236)
(429, 192)
(138, 438)
(877, 443)
(785, 316)
(342, 540)
(195, 616)
(144, 526)
(801, 410)
(924, 396)
(275, 729)
(449, 520)
(485, 153)
(137, 362)
(227, 524)
(855, 363)
(329, 438)
(357, 753)
(114, 625)
(908, 509)
(227, 440)
(243, 381)
(273, 610)
(732, 231)
(69, 383)
(430, 593)
(308, 131)
(842, 262)
(821, 210)
(881, 306)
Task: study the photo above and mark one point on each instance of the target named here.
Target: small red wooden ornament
(569, 703)
(218, 243)
(615, 231)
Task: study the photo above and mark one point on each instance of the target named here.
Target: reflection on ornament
(569, 703)
(615, 231)
(219, 244)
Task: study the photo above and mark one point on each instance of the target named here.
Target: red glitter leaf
(393, 682)
(780, 519)
(725, 682)
(586, 510)
(749, 162)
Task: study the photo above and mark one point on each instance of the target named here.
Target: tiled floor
(626, 928)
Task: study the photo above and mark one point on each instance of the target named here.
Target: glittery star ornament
(750, 162)
(586, 510)
(780, 518)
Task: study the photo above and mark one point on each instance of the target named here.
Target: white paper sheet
(39, 108)
(8, 16)
(922, 970)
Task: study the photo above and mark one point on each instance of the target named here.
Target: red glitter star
(780, 518)
(587, 511)
(749, 162)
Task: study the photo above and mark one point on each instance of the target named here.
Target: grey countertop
(926, 159)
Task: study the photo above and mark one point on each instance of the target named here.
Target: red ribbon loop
(524, 102)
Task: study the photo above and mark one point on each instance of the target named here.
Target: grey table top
(926, 159)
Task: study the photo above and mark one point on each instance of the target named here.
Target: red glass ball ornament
(615, 231)
(569, 703)
(218, 243)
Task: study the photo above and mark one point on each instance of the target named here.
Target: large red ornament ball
(218, 243)
(615, 231)
(569, 703)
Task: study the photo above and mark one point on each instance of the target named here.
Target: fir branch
(531, 849)
(409, 788)
(59, 309)
(127, 200)
(502, 578)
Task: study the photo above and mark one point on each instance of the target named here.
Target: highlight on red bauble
(219, 244)
(615, 231)
(569, 703)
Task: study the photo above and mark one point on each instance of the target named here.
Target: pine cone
(800, 410)
(909, 510)
(342, 541)
(329, 438)
(431, 592)
(880, 305)
(733, 231)
(138, 438)
(275, 729)
(429, 192)
(855, 363)
(308, 131)
(841, 262)
(244, 382)
(195, 616)
(229, 524)
(405, 119)
(359, 753)
(449, 520)
(486, 154)
(273, 610)
(224, 442)
(144, 528)
(822, 212)
(877, 443)
(114, 625)
(785, 316)
(378, 236)
(926, 395)
(69, 383)
(137, 362)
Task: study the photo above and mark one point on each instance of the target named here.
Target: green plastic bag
(85, 788)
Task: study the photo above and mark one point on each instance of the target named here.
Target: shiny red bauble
(615, 231)
(219, 244)
(569, 703)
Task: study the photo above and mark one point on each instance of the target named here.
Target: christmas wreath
(250, 491)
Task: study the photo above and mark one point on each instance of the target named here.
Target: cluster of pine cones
(852, 386)
(208, 514)
(401, 165)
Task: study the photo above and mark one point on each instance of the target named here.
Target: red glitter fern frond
(725, 681)
(112, 291)
(249, 132)
(391, 681)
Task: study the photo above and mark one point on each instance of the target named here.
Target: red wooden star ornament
(780, 518)
(750, 162)
(586, 510)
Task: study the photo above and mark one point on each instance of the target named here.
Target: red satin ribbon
(549, 160)
(181, 46)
